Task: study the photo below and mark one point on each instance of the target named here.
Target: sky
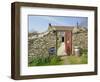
(41, 23)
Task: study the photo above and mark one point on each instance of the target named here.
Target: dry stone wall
(80, 39)
(39, 46)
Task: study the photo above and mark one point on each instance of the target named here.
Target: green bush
(83, 51)
(41, 61)
(84, 59)
(54, 60)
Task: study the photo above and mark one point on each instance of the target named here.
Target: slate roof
(62, 28)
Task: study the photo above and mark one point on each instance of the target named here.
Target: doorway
(62, 38)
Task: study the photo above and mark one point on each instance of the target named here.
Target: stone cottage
(68, 37)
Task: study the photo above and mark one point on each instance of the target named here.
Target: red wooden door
(68, 42)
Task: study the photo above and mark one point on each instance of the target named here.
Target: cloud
(53, 19)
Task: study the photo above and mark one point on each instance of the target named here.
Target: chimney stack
(50, 24)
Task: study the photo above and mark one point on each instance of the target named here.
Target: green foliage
(84, 59)
(73, 59)
(78, 59)
(54, 60)
(41, 61)
(83, 51)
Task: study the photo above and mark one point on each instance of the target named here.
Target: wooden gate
(68, 42)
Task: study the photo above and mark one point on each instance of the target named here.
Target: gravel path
(64, 60)
(62, 54)
(61, 50)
